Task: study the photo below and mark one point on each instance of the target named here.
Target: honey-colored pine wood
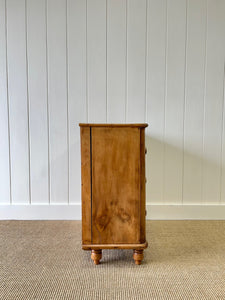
(86, 184)
(115, 185)
(115, 246)
(113, 188)
(96, 255)
(138, 256)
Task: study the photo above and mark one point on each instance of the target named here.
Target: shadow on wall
(175, 176)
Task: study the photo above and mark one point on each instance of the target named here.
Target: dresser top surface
(113, 125)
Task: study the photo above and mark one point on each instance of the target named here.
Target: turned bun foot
(138, 256)
(96, 255)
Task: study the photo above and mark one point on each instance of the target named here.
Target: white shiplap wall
(68, 61)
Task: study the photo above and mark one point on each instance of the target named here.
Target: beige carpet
(44, 260)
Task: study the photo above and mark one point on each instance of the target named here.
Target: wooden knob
(146, 151)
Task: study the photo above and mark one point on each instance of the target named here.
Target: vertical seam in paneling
(28, 106)
(165, 98)
(67, 107)
(204, 99)
(7, 90)
(222, 133)
(185, 99)
(126, 65)
(86, 48)
(106, 54)
(146, 58)
(47, 94)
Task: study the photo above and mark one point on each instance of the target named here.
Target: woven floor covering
(44, 260)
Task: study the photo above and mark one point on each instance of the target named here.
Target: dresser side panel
(85, 133)
(116, 185)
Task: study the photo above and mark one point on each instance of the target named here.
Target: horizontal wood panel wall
(68, 61)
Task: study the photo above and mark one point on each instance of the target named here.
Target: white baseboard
(40, 212)
(185, 212)
(73, 212)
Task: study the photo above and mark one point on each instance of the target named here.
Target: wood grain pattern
(113, 188)
(86, 184)
(116, 185)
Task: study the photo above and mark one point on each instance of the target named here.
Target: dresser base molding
(114, 246)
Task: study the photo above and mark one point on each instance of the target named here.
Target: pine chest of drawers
(113, 188)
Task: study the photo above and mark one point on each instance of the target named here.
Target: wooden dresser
(113, 188)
